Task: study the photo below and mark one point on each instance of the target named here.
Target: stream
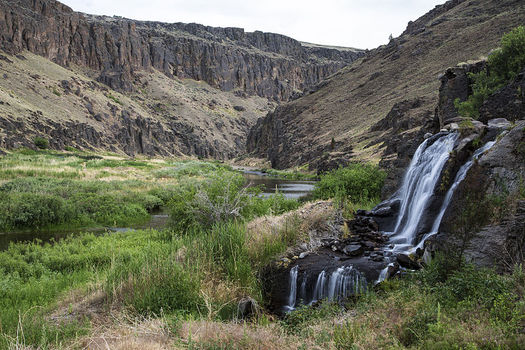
(159, 219)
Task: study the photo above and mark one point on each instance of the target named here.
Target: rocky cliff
(133, 87)
(265, 64)
(379, 108)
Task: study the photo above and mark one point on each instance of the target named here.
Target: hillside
(396, 84)
(110, 83)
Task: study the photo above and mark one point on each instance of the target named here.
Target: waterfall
(293, 288)
(415, 195)
(418, 187)
(340, 283)
(460, 176)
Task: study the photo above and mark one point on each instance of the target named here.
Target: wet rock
(407, 262)
(498, 232)
(303, 255)
(353, 250)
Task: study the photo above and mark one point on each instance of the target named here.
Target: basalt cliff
(221, 79)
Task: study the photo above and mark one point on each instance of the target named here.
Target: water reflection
(289, 188)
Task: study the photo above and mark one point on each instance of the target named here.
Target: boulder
(407, 262)
(247, 308)
(353, 250)
(499, 124)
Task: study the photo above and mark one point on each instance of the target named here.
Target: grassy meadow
(180, 287)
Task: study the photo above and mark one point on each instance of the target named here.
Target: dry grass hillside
(344, 108)
(163, 115)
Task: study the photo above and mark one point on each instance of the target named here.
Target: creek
(159, 219)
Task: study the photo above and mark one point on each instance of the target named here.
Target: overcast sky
(354, 23)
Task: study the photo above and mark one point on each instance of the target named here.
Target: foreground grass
(140, 273)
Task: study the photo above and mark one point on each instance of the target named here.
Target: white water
(341, 283)
(460, 176)
(418, 187)
(293, 288)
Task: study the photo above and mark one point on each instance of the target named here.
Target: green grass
(190, 168)
(289, 175)
(44, 202)
(34, 276)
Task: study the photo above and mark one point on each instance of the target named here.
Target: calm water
(289, 188)
(157, 221)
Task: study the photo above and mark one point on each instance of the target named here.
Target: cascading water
(414, 196)
(340, 283)
(418, 187)
(460, 176)
(293, 288)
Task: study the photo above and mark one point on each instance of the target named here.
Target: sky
(363, 24)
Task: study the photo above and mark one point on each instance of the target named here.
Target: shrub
(222, 197)
(41, 142)
(24, 210)
(502, 65)
(357, 182)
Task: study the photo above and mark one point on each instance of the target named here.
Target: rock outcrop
(488, 209)
(115, 48)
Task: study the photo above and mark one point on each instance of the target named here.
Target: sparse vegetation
(114, 99)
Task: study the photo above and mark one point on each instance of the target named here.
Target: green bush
(502, 66)
(41, 142)
(220, 198)
(20, 210)
(356, 182)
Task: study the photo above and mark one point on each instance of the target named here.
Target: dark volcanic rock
(407, 262)
(455, 84)
(496, 234)
(508, 102)
(266, 64)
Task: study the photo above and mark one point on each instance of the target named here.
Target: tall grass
(220, 198)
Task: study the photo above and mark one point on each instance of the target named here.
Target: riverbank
(49, 195)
